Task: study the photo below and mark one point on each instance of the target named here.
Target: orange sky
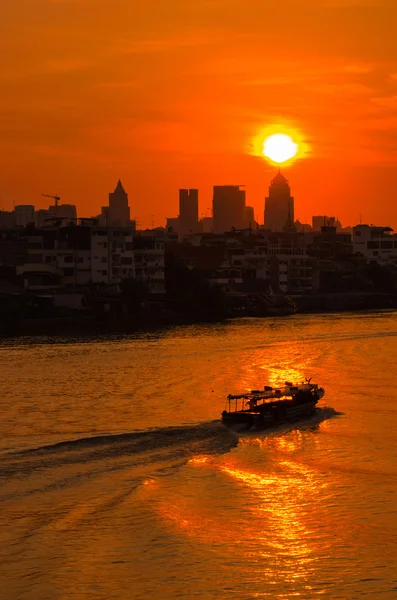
(170, 93)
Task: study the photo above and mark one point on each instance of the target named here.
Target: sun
(279, 148)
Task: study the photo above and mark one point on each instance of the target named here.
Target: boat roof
(270, 393)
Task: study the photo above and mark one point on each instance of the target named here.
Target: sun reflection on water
(277, 503)
(288, 365)
(289, 443)
(198, 460)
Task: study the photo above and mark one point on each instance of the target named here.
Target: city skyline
(198, 240)
(290, 214)
(170, 103)
(205, 207)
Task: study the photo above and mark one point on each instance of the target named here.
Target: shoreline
(76, 325)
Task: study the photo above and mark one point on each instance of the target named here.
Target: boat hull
(264, 420)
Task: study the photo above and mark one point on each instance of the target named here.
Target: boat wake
(160, 446)
(132, 456)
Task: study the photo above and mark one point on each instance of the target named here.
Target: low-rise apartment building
(377, 244)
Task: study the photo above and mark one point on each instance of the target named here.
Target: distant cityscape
(229, 211)
(55, 254)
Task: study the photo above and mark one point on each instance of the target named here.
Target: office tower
(279, 205)
(249, 217)
(188, 212)
(24, 214)
(228, 208)
(119, 211)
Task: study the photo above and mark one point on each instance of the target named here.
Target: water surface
(117, 480)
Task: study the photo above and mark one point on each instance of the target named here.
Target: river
(119, 482)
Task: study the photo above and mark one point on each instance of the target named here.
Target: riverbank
(82, 323)
(344, 302)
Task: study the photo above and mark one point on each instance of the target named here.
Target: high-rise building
(24, 214)
(188, 212)
(279, 205)
(68, 212)
(42, 217)
(206, 225)
(228, 208)
(119, 211)
(249, 217)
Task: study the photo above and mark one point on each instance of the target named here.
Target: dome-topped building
(279, 180)
(279, 205)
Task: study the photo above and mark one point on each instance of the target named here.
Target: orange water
(148, 497)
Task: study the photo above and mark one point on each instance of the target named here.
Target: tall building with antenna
(279, 205)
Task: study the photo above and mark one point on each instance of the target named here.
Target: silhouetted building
(112, 256)
(302, 227)
(68, 212)
(41, 217)
(331, 244)
(188, 212)
(249, 217)
(149, 262)
(103, 218)
(377, 244)
(207, 224)
(13, 247)
(69, 256)
(228, 208)
(172, 223)
(7, 219)
(119, 211)
(324, 221)
(24, 214)
(279, 205)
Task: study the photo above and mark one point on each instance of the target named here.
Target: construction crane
(56, 198)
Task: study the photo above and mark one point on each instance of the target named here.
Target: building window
(104, 272)
(126, 261)
(68, 258)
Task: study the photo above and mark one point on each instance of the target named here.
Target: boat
(272, 406)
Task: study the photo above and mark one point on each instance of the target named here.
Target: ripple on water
(111, 489)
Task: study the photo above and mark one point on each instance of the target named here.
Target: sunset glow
(188, 98)
(279, 148)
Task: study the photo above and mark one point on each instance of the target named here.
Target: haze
(170, 94)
